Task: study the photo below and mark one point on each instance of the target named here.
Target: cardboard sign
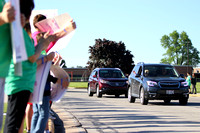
(57, 91)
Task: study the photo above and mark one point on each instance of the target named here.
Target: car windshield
(160, 71)
(111, 74)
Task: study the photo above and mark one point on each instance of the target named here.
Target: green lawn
(198, 87)
(84, 85)
(78, 84)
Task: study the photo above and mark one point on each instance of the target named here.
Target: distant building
(82, 74)
(78, 74)
(183, 69)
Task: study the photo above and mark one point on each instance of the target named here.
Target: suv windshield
(111, 74)
(160, 71)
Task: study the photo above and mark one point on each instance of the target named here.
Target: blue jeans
(40, 115)
(2, 82)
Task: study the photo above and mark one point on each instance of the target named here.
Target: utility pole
(187, 55)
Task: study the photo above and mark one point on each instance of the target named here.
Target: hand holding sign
(62, 26)
(56, 24)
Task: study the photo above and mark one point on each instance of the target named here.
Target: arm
(57, 62)
(46, 58)
(38, 51)
(8, 14)
(66, 30)
(57, 59)
(62, 33)
(42, 45)
(63, 82)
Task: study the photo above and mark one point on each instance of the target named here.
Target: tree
(107, 53)
(179, 49)
(80, 67)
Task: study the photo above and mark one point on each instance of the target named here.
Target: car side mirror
(94, 76)
(181, 75)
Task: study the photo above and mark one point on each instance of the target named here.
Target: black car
(110, 81)
(157, 81)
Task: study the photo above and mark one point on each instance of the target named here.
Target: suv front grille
(164, 84)
(116, 83)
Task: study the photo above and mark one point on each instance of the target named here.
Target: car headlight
(104, 81)
(184, 83)
(152, 83)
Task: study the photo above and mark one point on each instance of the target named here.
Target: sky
(140, 24)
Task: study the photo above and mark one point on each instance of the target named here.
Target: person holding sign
(59, 34)
(19, 88)
(7, 15)
(41, 111)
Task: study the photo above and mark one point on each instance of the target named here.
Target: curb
(66, 121)
(77, 87)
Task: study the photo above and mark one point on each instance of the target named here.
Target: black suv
(157, 81)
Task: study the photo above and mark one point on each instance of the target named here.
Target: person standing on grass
(188, 79)
(193, 82)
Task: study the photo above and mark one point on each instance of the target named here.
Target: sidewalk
(195, 95)
(66, 122)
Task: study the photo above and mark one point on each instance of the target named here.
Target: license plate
(170, 92)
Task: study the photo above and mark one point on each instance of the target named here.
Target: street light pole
(187, 57)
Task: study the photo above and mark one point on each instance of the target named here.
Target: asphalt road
(116, 115)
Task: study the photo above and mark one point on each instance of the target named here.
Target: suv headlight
(104, 81)
(184, 83)
(152, 83)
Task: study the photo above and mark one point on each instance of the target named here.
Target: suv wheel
(99, 94)
(183, 101)
(131, 99)
(143, 100)
(89, 91)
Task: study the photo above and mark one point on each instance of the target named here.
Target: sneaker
(26, 130)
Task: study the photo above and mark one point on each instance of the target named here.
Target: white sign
(41, 78)
(57, 91)
(18, 45)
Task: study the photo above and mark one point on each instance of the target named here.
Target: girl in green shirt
(188, 79)
(7, 15)
(19, 88)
